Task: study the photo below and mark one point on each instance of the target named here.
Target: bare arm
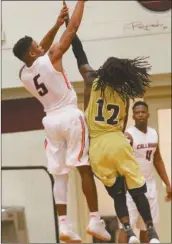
(80, 55)
(129, 138)
(88, 74)
(160, 168)
(49, 37)
(85, 69)
(60, 48)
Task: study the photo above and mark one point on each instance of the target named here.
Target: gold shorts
(111, 155)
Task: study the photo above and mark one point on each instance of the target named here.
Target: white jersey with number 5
(50, 87)
(144, 146)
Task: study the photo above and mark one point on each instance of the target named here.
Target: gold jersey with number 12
(106, 111)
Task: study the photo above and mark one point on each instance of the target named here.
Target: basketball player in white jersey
(67, 136)
(144, 141)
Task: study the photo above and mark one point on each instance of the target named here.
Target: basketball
(157, 6)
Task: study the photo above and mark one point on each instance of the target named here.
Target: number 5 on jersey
(112, 120)
(40, 87)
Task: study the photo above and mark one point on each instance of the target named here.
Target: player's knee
(118, 187)
(138, 191)
(60, 189)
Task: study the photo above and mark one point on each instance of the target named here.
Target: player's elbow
(72, 29)
(66, 40)
(74, 25)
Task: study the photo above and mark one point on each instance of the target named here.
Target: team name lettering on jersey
(141, 146)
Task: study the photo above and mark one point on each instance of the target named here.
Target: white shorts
(136, 220)
(67, 141)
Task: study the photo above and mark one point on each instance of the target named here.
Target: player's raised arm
(85, 69)
(60, 48)
(49, 37)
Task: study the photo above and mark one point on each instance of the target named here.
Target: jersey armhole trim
(58, 72)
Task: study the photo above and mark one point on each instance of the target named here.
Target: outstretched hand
(63, 15)
(67, 15)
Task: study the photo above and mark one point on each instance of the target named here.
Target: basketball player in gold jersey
(107, 92)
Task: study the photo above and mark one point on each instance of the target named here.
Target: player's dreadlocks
(127, 77)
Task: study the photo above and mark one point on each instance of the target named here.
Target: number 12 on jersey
(112, 120)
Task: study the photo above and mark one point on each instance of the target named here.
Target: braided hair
(127, 77)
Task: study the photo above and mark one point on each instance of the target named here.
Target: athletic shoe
(133, 239)
(131, 236)
(67, 234)
(154, 240)
(152, 235)
(96, 228)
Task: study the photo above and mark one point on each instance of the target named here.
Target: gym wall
(109, 28)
